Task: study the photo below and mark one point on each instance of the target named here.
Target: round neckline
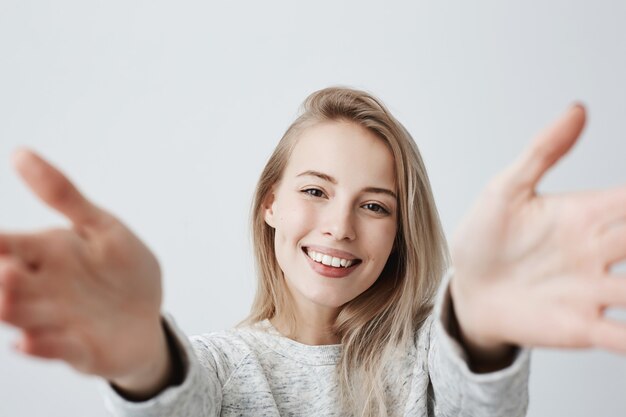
(300, 352)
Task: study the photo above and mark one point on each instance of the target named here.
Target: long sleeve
(257, 372)
(199, 394)
(460, 392)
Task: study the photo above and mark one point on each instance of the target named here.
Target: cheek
(380, 241)
(295, 219)
(390, 232)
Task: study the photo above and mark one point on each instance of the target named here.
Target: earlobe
(268, 210)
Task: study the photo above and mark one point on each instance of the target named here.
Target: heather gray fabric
(257, 372)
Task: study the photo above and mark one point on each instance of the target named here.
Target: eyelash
(306, 191)
(379, 209)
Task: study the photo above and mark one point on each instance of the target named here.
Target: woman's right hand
(89, 295)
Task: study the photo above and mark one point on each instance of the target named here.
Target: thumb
(54, 189)
(545, 150)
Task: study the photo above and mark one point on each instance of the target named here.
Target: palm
(535, 270)
(89, 295)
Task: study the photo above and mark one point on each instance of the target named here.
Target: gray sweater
(255, 371)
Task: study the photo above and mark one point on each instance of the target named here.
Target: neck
(313, 327)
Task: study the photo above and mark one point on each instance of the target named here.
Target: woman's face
(334, 213)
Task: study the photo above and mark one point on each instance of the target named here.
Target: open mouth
(332, 261)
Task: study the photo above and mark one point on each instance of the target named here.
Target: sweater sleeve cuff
(502, 392)
(168, 401)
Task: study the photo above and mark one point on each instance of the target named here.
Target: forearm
(164, 370)
(482, 356)
(464, 388)
(195, 391)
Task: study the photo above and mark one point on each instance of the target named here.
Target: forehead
(346, 151)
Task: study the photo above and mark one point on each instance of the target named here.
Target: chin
(329, 300)
(330, 303)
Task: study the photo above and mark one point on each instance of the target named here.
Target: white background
(165, 113)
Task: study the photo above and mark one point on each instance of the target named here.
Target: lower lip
(330, 271)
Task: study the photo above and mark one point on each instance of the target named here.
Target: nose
(339, 221)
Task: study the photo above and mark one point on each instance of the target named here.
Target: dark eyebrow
(330, 179)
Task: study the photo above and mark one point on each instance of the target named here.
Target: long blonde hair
(383, 319)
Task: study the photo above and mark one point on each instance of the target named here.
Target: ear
(268, 209)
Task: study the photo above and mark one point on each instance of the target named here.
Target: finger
(545, 150)
(610, 290)
(21, 304)
(16, 281)
(51, 343)
(609, 334)
(27, 247)
(53, 188)
(30, 315)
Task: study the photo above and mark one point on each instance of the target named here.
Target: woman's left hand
(535, 270)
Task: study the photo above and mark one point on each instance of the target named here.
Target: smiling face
(334, 213)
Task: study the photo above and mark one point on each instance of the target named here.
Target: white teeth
(329, 260)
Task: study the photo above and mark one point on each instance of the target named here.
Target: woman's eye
(314, 192)
(376, 208)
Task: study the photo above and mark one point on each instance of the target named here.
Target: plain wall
(165, 112)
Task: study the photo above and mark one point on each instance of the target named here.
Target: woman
(350, 253)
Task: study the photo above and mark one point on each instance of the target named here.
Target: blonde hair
(381, 321)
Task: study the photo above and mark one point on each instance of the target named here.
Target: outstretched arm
(535, 270)
(89, 295)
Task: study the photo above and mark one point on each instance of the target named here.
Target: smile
(328, 260)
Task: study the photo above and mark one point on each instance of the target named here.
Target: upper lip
(337, 253)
